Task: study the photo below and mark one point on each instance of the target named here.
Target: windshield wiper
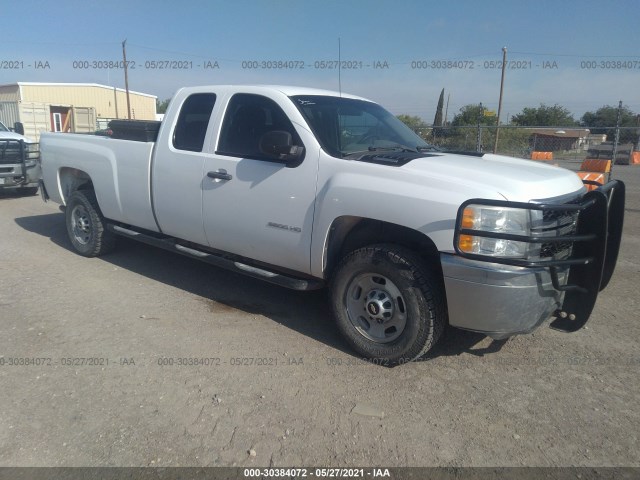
(402, 148)
(392, 148)
(428, 148)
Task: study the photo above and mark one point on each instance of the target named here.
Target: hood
(512, 178)
(14, 136)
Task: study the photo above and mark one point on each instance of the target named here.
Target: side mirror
(18, 127)
(278, 144)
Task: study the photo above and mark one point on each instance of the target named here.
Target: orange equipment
(595, 170)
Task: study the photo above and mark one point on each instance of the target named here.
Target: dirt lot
(546, 399)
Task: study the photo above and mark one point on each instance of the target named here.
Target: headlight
(495, 220)
(32, 151)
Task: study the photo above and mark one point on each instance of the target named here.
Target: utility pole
(126, 77)
(339, 66)
(504, 63)
(115, 100)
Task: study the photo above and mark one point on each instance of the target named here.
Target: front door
(253, 205)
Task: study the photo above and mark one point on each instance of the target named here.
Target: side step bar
(170, 244)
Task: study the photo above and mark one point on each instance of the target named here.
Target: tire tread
(103, 240)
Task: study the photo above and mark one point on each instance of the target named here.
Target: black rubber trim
(394, 159)
(465, 152)
(43, 191)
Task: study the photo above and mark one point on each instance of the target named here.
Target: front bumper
(498, 300)
(14, 175)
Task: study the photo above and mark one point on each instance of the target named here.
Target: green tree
(415, 123)
(469, 115)
(161, 106)
(606, 116)
(437, 121)
(544, 116)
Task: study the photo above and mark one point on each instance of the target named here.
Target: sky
(401, 53)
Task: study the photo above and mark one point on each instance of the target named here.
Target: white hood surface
(512, 178)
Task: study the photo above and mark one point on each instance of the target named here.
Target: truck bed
(120, 171)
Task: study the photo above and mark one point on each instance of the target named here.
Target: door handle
(220, 174)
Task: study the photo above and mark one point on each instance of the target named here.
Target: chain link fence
(570, 145)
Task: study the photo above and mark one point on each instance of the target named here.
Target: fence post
(479, 134)
(616, 138)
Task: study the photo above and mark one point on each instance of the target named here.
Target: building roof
(97, 85)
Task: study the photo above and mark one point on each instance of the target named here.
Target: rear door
(255, 206)
(177, 177)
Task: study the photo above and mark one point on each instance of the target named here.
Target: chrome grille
(556, 223)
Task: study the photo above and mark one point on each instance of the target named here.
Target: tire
(86, 225)
(389, 307)
(28, 191)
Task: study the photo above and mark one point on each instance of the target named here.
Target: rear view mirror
(278, 144)
(18, 127)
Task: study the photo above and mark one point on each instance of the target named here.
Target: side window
(247, 119)
(193, 120)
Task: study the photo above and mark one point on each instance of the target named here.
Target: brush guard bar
(594, 251)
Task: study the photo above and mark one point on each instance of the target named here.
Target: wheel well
(72, 179)
(350, 233)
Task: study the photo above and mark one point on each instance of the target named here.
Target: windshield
(3, 128)
(344, 126)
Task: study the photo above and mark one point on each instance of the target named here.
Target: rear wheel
(387, 304)
(86, 226)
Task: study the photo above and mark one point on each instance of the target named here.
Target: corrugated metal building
(69, 107)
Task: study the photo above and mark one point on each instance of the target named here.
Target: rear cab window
(193, 120)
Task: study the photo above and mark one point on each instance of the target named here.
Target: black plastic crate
(137, 130)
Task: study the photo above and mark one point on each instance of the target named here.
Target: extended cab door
(253, 205)
(177, 177)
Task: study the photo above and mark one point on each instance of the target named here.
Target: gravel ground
(545, 399)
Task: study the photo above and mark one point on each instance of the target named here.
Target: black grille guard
(9, 147)
(594, 252)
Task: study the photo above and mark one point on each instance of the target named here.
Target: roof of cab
(285, 89)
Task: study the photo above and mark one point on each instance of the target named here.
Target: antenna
(339, 67)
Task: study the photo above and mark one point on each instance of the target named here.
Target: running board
(170, 244)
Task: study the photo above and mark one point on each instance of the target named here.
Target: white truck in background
(308, 188)
(19, 161)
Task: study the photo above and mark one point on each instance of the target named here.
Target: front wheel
(387, 304)
(86, 225)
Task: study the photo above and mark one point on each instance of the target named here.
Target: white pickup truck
(309, 188)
